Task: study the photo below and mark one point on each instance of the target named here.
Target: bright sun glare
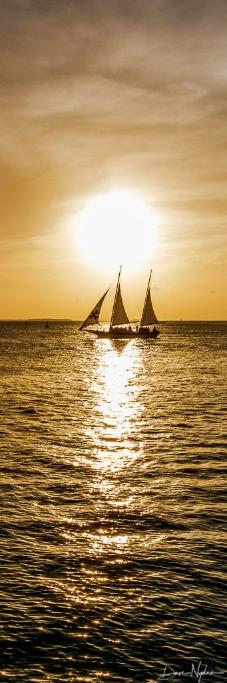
(116, 228)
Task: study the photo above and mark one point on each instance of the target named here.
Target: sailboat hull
(125, 334)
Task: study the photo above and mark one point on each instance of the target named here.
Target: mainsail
(93, 317)
(119, 315)
(148, 315)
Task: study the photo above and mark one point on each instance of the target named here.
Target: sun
(115, 228)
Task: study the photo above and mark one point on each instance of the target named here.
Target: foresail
(148, 317)
(119, 315)
(93, 317)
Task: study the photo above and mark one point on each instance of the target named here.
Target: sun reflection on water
(116, 389)
(113, 542)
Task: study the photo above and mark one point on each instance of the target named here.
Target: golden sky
(105, 94)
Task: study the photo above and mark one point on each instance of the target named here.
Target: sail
(119, 316)
(93, 317)
(148, 315)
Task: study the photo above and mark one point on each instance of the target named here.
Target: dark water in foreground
(112, 538)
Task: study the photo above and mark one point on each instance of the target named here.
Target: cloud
(117, 91)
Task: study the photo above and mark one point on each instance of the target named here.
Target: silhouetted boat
(120, 327)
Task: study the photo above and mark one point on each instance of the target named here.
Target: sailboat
(120, 327)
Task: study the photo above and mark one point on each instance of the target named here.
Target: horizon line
(74, 320)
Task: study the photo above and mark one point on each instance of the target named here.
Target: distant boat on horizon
(120, 326)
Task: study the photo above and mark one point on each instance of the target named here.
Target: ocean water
(112, 535)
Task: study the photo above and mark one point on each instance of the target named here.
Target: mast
(115, 298)
(145, 300)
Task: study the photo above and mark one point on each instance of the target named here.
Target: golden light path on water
(116, 387)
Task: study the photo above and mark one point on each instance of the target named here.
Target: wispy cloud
(96, 92)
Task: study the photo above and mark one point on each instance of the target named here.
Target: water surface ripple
(113, 457)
